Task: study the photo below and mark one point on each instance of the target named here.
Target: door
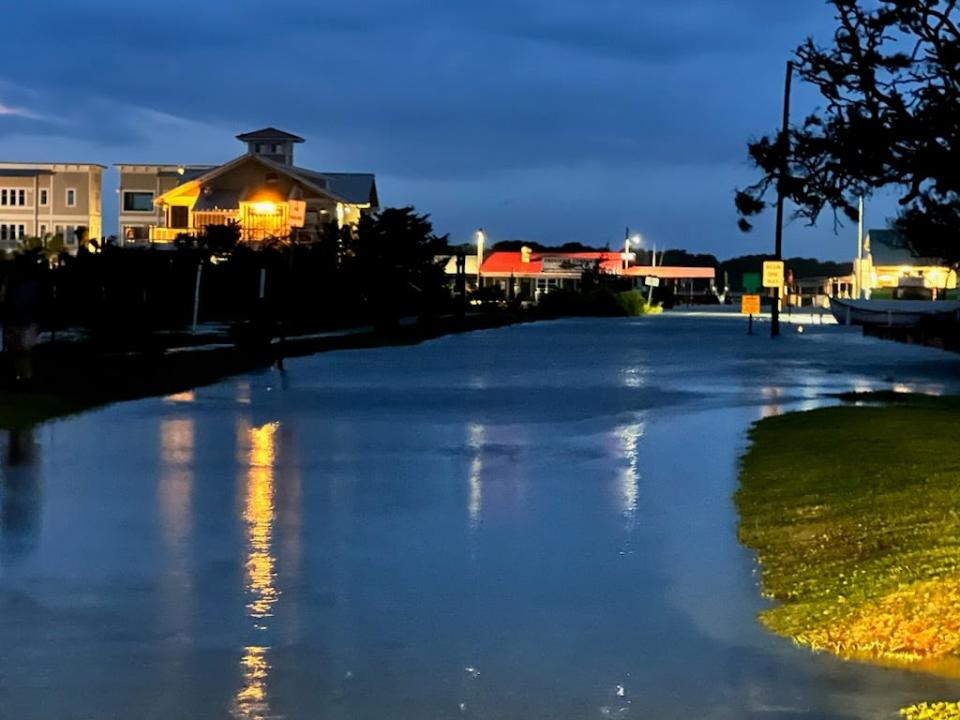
(180, 217)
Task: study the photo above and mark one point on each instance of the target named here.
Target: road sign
(652, 281)
(751, 282)
(297, 213)
(750, 305)
(773, 274)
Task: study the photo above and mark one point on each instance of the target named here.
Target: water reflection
(635, 377)
(20, 495)
(251, 700)
(259, 515)
(177, 442)
(772, 401)
(629, 487)
(174, 502)
(477, 435)
(260, 565)
(243, 392)
(187, 396)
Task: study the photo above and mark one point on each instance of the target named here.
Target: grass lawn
(854, 513)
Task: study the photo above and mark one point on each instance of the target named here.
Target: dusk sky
(544, 120)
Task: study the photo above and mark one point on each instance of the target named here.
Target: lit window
(71, 198)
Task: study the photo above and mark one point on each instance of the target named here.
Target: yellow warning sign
(773, 274)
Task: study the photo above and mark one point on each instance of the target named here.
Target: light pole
(628, 242)
(481, 237)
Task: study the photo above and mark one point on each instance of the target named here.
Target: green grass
(847, 506)
(854, 513)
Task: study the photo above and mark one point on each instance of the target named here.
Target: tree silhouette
(398, 263)
(891, 85)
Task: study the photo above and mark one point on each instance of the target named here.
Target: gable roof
(269, 133)
(249, 157)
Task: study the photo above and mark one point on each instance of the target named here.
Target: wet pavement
(530, 522)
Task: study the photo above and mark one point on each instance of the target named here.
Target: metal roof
(357, 188)
(269, 133)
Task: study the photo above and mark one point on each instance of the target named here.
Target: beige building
(263, 190)
(39, 199)
(139, 186)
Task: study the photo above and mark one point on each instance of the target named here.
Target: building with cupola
(263, 190)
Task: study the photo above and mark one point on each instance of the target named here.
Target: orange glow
(259, 515)
(251, 700)
(264, 208)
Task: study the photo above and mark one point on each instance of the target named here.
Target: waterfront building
(890, 267)
(44, 199)
(533, 274)
(263, 191)
(139, 186)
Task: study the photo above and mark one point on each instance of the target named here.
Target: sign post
(651, 281)
(750, 306)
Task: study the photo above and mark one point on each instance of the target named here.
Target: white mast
(859, 277)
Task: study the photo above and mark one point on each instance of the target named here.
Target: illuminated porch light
(264, 208)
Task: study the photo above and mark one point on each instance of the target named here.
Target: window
(43, 230)
(11, 197)
(259, 148)
(277, 149)
(137, 201)
(133, 233)
(44, 197)
(12, 232)
(71, 197)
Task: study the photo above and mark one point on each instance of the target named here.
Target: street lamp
(629, 241)
(481, 238)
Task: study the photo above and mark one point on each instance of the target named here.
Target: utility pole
(781, 197)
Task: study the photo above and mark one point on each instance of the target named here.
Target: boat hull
(893, 313)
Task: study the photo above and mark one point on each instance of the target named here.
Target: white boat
(893, 313)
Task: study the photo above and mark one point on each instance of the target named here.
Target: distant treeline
(729, 272)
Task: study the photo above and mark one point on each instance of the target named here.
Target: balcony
(167, 235)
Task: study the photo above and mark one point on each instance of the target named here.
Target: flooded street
(531, 522)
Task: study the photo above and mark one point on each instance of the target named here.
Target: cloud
(492, 97)
(19, 112)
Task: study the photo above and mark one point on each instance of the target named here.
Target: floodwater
(531, 522)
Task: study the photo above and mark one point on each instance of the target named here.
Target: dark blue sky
(546, 120)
